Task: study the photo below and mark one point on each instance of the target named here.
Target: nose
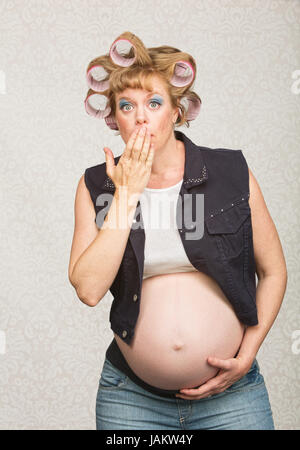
(141, 116)
(140, 122)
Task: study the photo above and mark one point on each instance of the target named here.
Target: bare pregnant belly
(184, 318)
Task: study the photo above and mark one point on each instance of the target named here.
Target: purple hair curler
(95, 78)
(180, 78)
(96, 105)
(117, 56)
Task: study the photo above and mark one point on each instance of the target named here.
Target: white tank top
(164, 252)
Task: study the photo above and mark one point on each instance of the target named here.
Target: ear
(176, 114)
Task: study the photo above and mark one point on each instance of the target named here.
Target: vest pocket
(230, 235)
(227, 228)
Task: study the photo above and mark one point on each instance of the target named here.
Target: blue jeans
(123, 405)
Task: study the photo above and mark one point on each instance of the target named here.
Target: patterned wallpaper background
(52, 346)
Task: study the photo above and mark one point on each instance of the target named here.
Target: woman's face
(138, 106)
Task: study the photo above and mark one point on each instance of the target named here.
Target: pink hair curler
(95, 78)
(192, 106)
(117, 55)
(180, 78)
(111, 123)
(96, 105)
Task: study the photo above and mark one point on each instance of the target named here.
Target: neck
(168, 158)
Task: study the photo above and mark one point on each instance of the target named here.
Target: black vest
(224, 250)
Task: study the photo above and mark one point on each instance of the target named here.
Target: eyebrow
(151, 93)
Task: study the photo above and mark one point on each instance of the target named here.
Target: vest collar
(195, 171)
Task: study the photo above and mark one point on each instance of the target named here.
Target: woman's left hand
(231, 370)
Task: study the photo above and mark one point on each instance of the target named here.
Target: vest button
(135, 298)
(124, 333)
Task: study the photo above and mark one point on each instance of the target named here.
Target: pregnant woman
(176, 232)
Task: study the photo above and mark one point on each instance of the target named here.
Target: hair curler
(192, 105)
(119, 48)
(180, 78)
(97, 78)
(110, 121)
(97, 105)
(126, 50)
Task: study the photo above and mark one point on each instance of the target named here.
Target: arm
(271, 272)
(96, 255)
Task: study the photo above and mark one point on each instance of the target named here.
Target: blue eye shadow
(123, 102)
(156, 98)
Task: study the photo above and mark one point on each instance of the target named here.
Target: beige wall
(52, 346)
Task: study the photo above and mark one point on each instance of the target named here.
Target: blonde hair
(142, 65)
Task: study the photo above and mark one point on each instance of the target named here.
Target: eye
(154, 101)
(124, 106)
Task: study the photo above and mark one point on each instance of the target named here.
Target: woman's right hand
(134, 167)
